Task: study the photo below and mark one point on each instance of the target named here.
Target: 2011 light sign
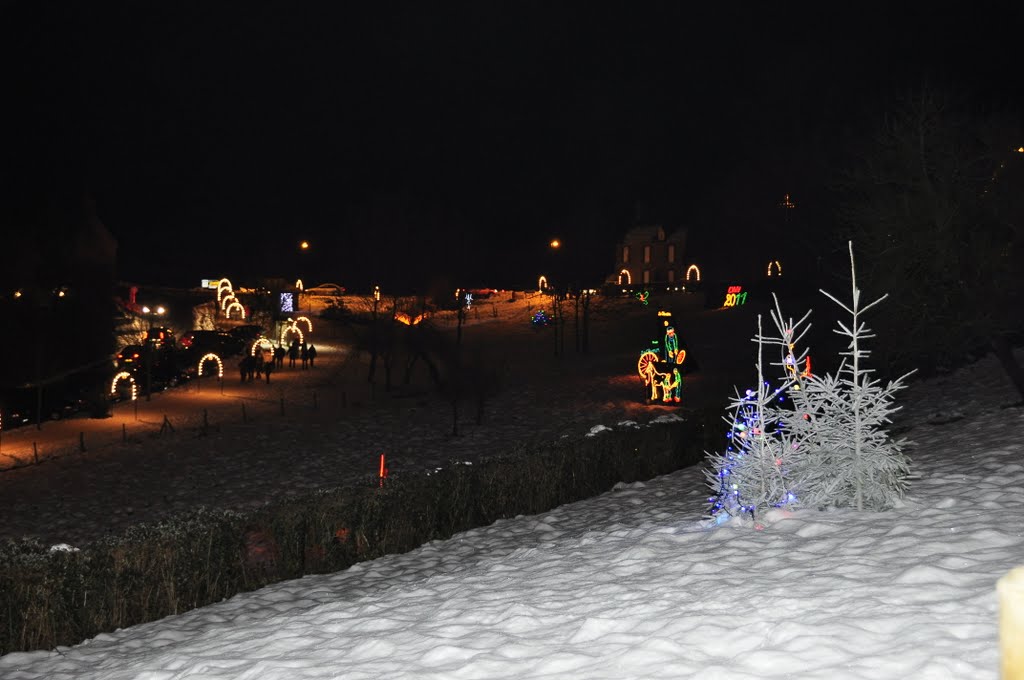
(735, 296)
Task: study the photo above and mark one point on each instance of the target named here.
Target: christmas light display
(643, 297)
(542, 283)
(774, 264)
(223, 286)
(124, 375)
(309, 324)
(211, 357)
(540, 319)
(233, 306)
(406, 320)
(735, 296)
(816, 441)
(261, 343)
(290, 327)
(298, 284)
(228, 299)
(625, 274)
(376, 293)
(469, 300)
(693, 270)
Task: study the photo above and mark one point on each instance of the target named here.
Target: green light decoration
(643, 296)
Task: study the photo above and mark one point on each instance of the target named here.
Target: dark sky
(409, 140)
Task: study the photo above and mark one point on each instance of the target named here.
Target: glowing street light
(555, 243)
(304, 245)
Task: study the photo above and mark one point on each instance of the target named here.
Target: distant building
(646, 256)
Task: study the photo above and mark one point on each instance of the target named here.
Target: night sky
(410, 141)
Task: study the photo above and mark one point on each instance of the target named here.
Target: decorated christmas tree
(808, 440)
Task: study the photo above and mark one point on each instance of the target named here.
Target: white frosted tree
(849, 458)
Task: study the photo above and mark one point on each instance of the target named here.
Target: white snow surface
(633, 584)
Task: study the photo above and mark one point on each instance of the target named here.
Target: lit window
(671, 252)
(671, 275)
(625, 253)
(647, 276)
(647, 254)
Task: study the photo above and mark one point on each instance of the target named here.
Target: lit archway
(223, 286)
(233, 306)
(542, 283)
(261, 343)
(291, 328)
(228, 299)
(774, 264)
(693, 270)
(624, 274)
(124, 375)
(211, 357)
(298, 284)
(309, 324)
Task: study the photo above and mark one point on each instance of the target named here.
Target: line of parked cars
(162, 358)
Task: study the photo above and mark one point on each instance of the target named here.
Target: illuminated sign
(735, 296)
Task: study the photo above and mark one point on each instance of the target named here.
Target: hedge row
(51, 597)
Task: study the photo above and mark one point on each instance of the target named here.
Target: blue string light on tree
(540, 319)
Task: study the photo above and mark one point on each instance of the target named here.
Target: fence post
(81, 442)
(244, 418)
(282, 405)
(35, 453)
(124, 433)
(314, 401)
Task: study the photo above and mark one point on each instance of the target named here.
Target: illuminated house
(646, 256)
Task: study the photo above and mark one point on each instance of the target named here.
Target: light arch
(210, 356)
(693, 270)
(629, 277)
(124, 375)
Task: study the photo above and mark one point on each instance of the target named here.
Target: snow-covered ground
(632, 584)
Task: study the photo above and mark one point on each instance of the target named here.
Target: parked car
(19, 406)
(198, 343)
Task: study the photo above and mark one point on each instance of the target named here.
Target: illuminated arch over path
(292, 328)
(261, 342)
(211, 357)
(629, 277)
(542, 283)
(777, 266)
(309, 324)
(233, 306)
(124, 375)
(222, 286)
(693, 270)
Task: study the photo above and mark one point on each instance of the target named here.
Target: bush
(52, 597)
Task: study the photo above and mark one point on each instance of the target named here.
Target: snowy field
(633, 584)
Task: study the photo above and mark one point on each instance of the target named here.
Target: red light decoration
(383, 472)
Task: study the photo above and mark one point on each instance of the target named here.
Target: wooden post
(35, 453)
(282, 405)
(244, 418)
(81, 442)
(124, 432)
(314, 401)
